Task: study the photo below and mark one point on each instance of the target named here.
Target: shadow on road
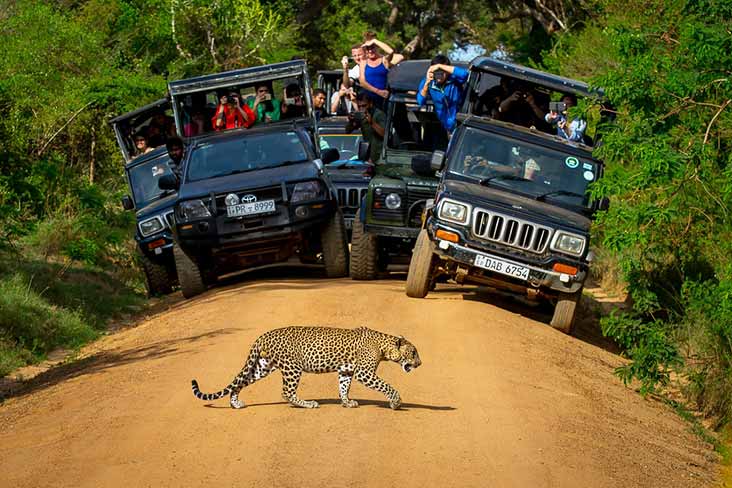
(97, 363)
(332, 401)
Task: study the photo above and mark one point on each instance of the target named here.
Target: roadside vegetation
(67, 263)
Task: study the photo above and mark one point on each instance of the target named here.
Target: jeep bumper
(482, 265)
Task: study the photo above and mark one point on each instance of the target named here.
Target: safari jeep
(257, 196)
(512, 212)
(153, 206)
(390, 213)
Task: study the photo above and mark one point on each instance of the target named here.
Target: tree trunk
(92, 152)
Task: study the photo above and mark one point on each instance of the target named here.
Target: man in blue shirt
(444, 84)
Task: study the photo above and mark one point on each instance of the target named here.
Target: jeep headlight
(150, 226)
(306, 191)
(568, 243)
(193, 209)
(393, 201)
(454, 212)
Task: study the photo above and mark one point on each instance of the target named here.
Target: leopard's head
(403, 352)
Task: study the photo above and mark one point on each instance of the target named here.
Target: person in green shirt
(372, 121)
(264, 105)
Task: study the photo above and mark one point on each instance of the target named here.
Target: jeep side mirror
(127, 203)
(438, 159)
(363, 151)
(603, 204)
(329, 155)
(168, 182)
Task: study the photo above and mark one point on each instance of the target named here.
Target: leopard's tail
(236, 384)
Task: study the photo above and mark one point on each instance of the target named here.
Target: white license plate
(254, 208)
(508, 269)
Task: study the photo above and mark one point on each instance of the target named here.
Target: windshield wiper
(503, 176)
(255, 168)
(543, 196)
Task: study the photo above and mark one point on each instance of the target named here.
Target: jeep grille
(351, 197)
(510, 231)
(170, 219)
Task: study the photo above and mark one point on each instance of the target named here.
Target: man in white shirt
(351, 76)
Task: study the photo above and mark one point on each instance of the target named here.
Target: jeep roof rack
(239, 76)
(549, 80)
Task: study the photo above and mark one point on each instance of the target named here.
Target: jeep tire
(565, 311)
(191, 279)
(335, 247)
(419, 279)
(158, 279)
(364, 252)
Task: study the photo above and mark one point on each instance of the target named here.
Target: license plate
(254, 208)
(499, 266)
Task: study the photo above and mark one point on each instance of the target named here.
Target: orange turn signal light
(154, 244)
(447, 236)
(565, 268)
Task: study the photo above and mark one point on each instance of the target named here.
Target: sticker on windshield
(589, 176)
(571, 162)
(587, 166)
(157, 170)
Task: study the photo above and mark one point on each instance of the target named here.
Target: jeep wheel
(419, 278)
(189, 274)
(157, 278)
(335, 247)
(565, 311)
(364, 253)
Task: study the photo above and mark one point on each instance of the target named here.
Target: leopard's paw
(310, 404)
(395, 402)
(350, 404)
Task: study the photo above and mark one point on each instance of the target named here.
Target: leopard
(352, 353)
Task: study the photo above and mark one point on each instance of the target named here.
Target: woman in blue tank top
(375, 68)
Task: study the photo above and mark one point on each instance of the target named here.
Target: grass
(46, 305)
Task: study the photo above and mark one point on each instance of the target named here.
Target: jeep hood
(250, 179)
(528, 208)
(157, 207)
(347, 174)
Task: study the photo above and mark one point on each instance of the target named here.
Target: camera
(440, 74)
(557, 107)
(358, 116)
(230, 99)
(267, 97)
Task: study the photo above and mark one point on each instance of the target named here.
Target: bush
(34, 327)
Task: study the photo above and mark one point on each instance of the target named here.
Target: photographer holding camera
(444, 84)
(231, 113)
(266, 107)
(371, 121)
(573, 130)
(523, 108)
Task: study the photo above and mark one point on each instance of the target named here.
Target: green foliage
(665, 65)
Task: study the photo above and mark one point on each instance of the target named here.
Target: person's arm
(368, 86)
(283, 106)
(248, 115)
(386, 49)
(346, 79)
(424, 89)
(218, 119)
(538, 112)
(335, 100)
(375, 123)
(505, 105)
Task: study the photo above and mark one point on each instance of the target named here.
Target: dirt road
(500, 400)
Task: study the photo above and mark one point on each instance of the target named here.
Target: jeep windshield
(514, 165)
(247, 153)
(347, 144)
(144, 180)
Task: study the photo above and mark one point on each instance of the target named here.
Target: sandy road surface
(501, 400)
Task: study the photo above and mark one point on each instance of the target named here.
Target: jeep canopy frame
(296, 69)
(124, 125)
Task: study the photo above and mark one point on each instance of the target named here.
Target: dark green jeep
(390, 216)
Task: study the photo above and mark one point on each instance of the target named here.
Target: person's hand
(562, 123)
(368, 43)
(367, 116)
(516, 96)
(530, 98)
(344, 62)
(430, 75)
(383, 93)
(342, 92)
(553, 115)
(223, 100)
